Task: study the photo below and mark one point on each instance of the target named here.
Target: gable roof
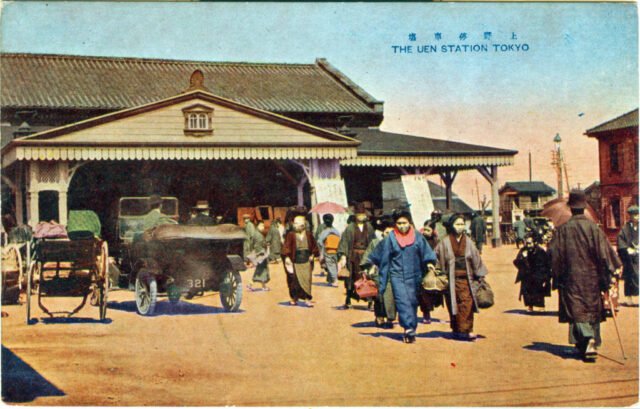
(158, 133)
(115, 83)
(628, 120)
(535, 187)
(197, 94)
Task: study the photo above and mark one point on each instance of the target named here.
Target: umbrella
(327, 207)
(559, 212)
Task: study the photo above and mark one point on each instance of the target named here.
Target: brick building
(618, 151)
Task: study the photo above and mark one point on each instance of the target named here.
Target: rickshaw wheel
(231, 291)
(11, 257)
(104, 292)
(102, 273)
(32, 272)
(146, 292)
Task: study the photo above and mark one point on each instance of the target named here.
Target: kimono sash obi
(302, 256)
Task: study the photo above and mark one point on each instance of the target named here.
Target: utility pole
(557, 162)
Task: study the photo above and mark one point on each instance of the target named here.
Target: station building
(81, 131)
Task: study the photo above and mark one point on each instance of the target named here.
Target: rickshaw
(12, 273)
(15, 261)
(69, 267)
(180, 260)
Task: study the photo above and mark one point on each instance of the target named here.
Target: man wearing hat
(155, 217)
(353, 243)
(202, 217)
(628, 252)
(583, 264)
(249, 230)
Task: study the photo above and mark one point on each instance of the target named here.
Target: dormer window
(198, 120)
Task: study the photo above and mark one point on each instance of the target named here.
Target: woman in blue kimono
(402, 258)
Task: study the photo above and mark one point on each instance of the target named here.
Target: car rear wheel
(231, 291)
(146, 293)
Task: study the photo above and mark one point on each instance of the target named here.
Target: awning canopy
(380, 148)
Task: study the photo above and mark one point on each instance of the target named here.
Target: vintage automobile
(181, 260)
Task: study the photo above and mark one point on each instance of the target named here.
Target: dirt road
(274, 354)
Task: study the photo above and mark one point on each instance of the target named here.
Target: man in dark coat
(275, 240)
(520, 231)
(534, 273)
(583, 263)
(353, 243)
(478, 231)
(202, 217)
(259, 257)
(628, 251)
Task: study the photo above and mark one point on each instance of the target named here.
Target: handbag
(344, 273)
(435, 280)
(365, 287)
(483, 292)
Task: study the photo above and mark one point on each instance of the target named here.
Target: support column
(33, 211)
(62, 207)
(491, 175)
(448, 178)
(496, 241)
(300, 187)
(19, 196)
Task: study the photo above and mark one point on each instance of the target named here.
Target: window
(614, 161)
(198, 120)
(615, 210)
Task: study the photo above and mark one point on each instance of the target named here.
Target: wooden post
(33, 209)
(491, 175)
(448, 178)
(301, 191)
(19, 196)
(62, 207)
(496, 241)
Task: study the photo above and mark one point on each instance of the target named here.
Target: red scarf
(405, 239)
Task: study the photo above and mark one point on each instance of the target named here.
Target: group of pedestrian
(397, 256)
(578, 262)
(582, 265)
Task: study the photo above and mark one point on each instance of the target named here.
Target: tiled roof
(535, 187)
(377, 142)
(113, 83)
(628, 120)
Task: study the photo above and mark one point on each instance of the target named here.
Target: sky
(580, 67)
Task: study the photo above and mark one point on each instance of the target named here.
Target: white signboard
(333, 190)
(416, 190)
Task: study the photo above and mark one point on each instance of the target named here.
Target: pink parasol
(327, 207)
(559, 212)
